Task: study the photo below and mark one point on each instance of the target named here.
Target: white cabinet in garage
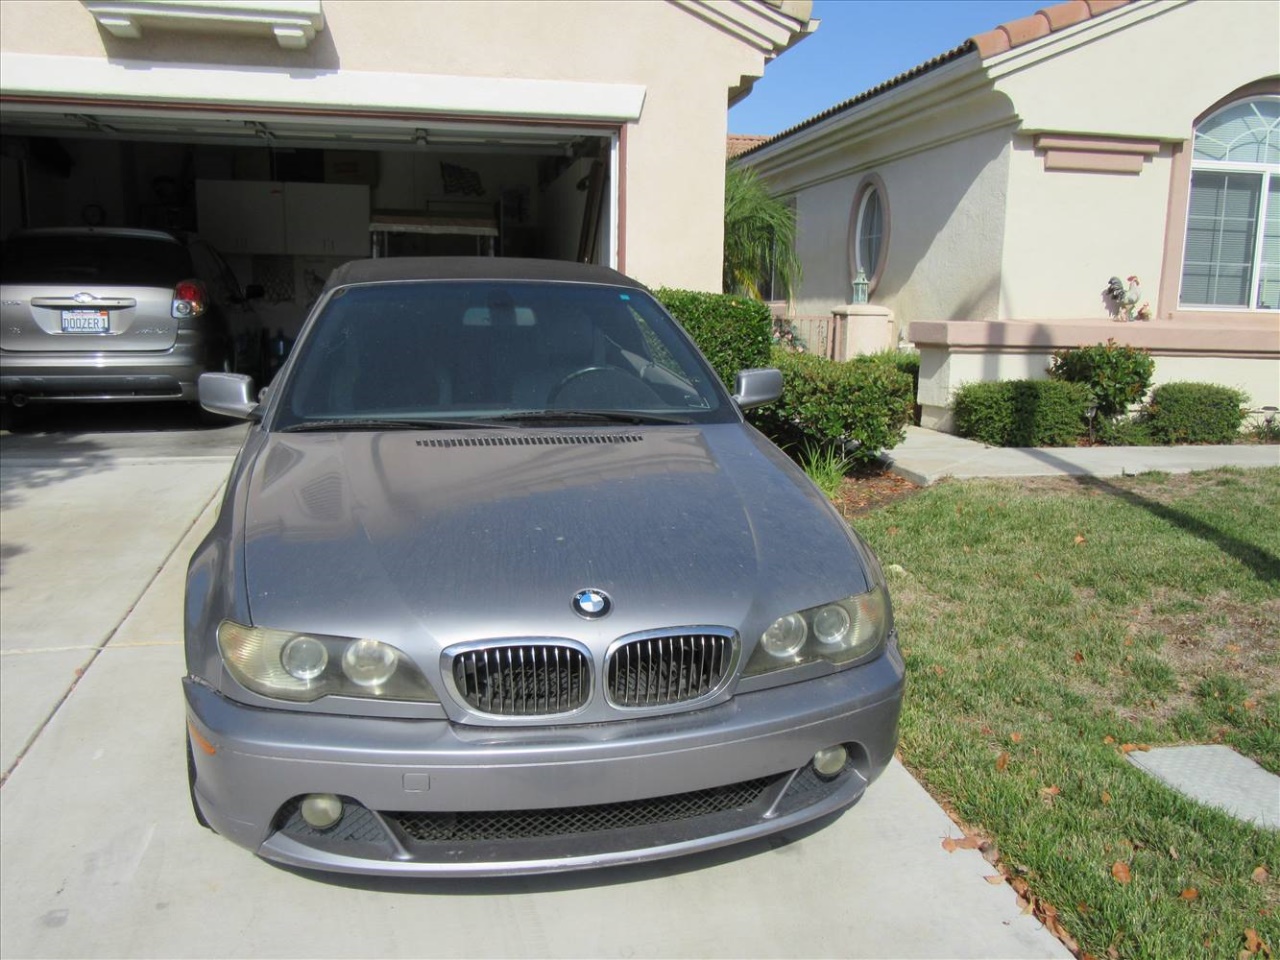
(265, 216)
(327, 219)
(242, 216)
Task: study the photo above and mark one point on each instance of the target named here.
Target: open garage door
(288, 198)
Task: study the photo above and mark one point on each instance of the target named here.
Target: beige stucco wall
(943, 255)
(1144, 71)
(1067, 232)
(675, 153)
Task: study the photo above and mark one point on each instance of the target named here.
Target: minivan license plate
(86, 321)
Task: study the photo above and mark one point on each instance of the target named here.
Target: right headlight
(303, 667)
(840, 632)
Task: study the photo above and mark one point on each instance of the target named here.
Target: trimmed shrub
(1022, 413)
(824, 401)
(1117, 376)
(909, 363)
(1194, 413)
(1124, 432)
(733, 333)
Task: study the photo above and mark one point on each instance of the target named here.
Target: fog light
(830, 761)
(321, 810)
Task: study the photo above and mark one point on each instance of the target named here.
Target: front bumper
(755, 750)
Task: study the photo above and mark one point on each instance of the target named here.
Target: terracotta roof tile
(1062, 15)
(1000, 40)
(1026, 29)
(737, 143)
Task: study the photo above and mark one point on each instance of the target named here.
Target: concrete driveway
(100, 856)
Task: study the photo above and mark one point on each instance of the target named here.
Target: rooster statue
(1125, 298)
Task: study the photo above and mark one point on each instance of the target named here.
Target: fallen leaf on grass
(1259, 875)
(1130, 747)
(1002, 761)
(1113, 953)
(1173, 852)
(994, 879)
(1048, 793)
(1078, 656)
(1254, 945)
(1108, 739)
(939, 669)
(1015, 737)
(1120, 871)
(1190, 893)
(1079, 540)
(1250, 704)
(1106, 797)
(1233, 648)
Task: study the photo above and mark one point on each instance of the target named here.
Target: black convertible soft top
(474, 268)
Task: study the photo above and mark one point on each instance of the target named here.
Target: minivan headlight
(839, 632)
(303, 667)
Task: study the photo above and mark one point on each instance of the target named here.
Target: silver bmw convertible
(503, 583)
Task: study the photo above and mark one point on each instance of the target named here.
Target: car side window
(214, 271)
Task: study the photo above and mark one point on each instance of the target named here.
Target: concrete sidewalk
(100, 855)
(927, 456)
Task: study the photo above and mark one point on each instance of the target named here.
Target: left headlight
(839, 632)
(303, 666)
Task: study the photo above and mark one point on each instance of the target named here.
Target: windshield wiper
(585, 416)
(367, 423)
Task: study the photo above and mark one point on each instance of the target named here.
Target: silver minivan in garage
(105, 313)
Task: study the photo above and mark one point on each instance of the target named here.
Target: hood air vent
(531, 440)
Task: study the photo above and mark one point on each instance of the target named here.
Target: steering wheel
(621, 387)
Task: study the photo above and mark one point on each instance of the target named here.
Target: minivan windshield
(491, 353)
(98, 258)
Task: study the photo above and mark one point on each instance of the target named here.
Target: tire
(191, 785)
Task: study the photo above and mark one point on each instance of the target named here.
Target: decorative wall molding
(293, 23)
(1094, 154)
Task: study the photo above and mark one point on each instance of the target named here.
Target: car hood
(433, 538)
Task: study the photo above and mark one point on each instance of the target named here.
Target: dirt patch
(870, 487)
(1240, 640)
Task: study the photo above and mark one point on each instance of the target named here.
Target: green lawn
(1050, 625)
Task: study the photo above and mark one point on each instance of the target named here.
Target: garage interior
(287, 199)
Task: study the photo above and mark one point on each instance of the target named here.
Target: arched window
(869, 230)
(1231, 257)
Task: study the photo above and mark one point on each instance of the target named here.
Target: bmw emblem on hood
(592, 604)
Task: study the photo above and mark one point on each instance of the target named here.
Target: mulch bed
(870, 487)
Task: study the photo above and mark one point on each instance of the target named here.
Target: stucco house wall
(686, 57)
(1021, 171)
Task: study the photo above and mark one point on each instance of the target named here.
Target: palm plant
(759, 237)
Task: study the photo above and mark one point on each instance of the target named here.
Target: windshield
(496, 352)
(103, 258)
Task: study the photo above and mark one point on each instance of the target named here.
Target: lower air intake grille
(656, 671)
(523, 680)
(564, 821)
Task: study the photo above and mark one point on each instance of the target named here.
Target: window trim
(1168, 305)
(869, 183)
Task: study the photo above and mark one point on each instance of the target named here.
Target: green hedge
(823, 401)
(1116, 375)
(1194, 413)
(734, 333)
(1022, 413)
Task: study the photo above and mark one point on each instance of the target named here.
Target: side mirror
(254, 291)
(755, 388)
(228, 394)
